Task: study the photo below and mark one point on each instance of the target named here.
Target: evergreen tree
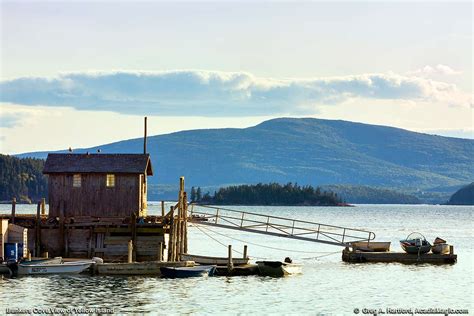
(193, 194)
(198, 194)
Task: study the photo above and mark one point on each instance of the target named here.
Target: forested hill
(307, 151)
(464, 196)
(267, 194)
(22, 179)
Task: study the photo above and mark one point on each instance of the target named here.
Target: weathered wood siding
(93, 198)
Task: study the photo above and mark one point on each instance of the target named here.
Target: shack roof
(98, 163)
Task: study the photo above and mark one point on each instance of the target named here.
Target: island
(268, 194)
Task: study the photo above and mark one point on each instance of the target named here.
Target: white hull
(220, 261)
(378, 246)
(278, 269)
(63, 268)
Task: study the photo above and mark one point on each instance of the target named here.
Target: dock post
(162, 209)
(245, 251)
(38, 232)
(130, 251)
(170, 237)
(451, 249)
(230, 263)
(134, 236)
(43, 206)
(61, 226)
(160, 252)
(13, 209)
(45, 255)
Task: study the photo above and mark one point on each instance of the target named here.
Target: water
(327, 286)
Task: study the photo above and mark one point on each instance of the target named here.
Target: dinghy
(74, 267)
(440, 246)
(415, 243)
(376, 246)
(187, 272)
(278, 268)
(220, 261)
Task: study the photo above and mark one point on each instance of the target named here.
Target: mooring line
(269, 247)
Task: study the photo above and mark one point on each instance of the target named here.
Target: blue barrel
(11, 251)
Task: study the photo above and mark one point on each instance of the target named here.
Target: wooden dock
(400, 257)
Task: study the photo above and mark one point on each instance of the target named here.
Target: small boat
(220, 261)
(375, 246)
(415, 245)
(55, 260)
(440, 249)
(187, 272)
(440, 246)
(278, 268)
(53, 268)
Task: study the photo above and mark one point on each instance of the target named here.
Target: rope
(269, 247)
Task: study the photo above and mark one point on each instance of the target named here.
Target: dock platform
(400, 257)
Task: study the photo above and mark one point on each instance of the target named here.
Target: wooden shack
(97, 185)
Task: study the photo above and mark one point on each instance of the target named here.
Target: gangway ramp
(277, 226)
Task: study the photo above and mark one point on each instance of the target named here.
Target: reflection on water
(327, 285)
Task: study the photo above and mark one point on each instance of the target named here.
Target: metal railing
(277, 226)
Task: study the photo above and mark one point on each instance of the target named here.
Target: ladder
(277, 226)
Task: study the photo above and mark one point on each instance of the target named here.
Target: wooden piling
(230, 263)
(61, 226)
(170, 239)
(162, 209)
(134, 236)
(185, 220)
(13, 210)
(160, 252)
(38, 231)
(245, 252)
(130, 251)
(43, 206)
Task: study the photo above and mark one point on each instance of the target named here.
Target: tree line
(267, 194)
(22, 179)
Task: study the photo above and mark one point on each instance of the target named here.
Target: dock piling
(245, 252)
(230, 263)
(43, 206)
(130, 251)
(13, 209)
(38, 231)
(160, 252)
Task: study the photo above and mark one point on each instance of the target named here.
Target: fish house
(97, 185)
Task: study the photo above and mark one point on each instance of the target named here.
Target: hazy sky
(82, 74)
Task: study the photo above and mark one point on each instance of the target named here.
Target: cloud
(9, 120)
(439, 69)
(213, 93)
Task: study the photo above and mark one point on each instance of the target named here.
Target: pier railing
(277, 226)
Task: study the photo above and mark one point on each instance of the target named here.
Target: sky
(79, 74)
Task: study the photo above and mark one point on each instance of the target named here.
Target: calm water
(327, 286)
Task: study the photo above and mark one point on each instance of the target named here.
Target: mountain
(464, 196)
(305, 151)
